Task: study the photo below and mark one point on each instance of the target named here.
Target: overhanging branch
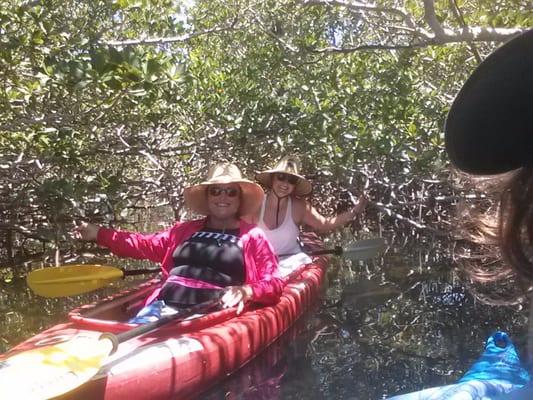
(166, 40)
(467, 35)
(406, 33)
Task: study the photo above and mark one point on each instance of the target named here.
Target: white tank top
(284, 237)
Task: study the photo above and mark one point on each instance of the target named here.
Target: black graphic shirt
(210, 255)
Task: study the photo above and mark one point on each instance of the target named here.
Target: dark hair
(503, 232)
(515, 222)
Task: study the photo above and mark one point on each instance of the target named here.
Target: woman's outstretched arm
(321, 223)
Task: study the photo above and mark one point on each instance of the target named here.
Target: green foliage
(113, 106)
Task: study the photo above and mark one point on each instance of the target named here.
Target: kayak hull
(183, 359)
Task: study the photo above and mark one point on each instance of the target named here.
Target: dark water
(391, 325)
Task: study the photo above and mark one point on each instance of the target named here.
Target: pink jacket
(259, 259)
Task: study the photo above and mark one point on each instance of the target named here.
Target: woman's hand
(86, 231)
(360, 206)
(236, 296)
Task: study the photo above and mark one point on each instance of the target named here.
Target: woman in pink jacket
(219, 256)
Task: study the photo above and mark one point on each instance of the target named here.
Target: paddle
(50, 371)
(77, 279)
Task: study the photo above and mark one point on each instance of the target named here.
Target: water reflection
(283, 371)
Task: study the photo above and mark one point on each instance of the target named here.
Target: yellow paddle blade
(50, 371)
(71, 279)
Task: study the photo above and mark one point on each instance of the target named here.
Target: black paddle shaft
(337, 250)
(145, 328)
(132, 272)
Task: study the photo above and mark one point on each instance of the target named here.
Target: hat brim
(489, 128)
(252, 194)
(302, 188)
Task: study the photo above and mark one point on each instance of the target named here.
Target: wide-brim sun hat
(489, 128)
(252, 194)
(289, 165)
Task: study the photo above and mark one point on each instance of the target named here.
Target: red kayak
(178, 360)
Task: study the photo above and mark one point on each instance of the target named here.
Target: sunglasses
(217, 191)
(293, 180)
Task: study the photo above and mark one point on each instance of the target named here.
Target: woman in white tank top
(284, 210)
(282, 237)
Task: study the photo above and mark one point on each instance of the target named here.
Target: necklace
(278, 198)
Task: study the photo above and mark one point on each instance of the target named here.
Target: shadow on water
(392, 325)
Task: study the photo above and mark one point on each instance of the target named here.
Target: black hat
(489, 128)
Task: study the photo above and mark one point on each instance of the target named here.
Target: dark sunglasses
(217, 191)
(293, 180)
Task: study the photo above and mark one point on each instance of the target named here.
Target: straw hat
(289, 165)
(223, 173)
(489, 128)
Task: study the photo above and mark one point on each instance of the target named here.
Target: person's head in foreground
(489, 130)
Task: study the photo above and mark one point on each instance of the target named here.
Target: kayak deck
(183, 359)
